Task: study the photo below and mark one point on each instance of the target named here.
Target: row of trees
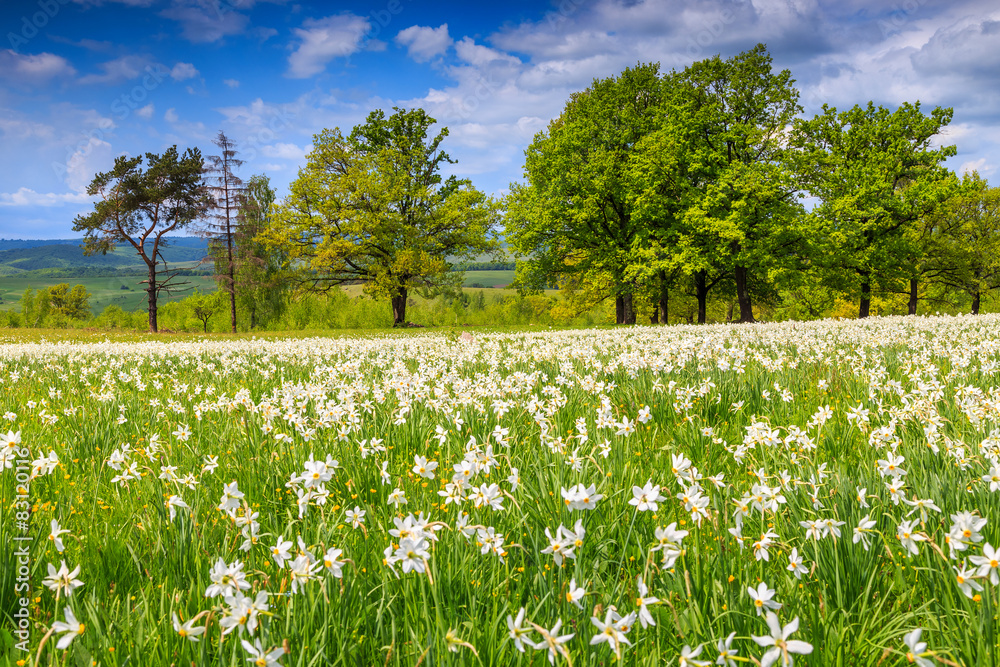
(694, 180)
(141, 205)
(647, 184)
(370, 208)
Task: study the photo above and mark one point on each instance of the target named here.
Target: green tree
(204, 306)
(972, 239)
(372, 208)
(261, 271)
(140, 207)
(35, 306)
(573, 216)
(227, 191)
(73, 303)
(877, 175)
(715, 179)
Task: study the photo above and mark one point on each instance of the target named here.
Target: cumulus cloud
(28, 197)
(479, 55)
(232, 83)
(170, 115)
(285, 151)
(207, 20)
(979, 165)
(33, 68)
(322, 40)
(182, 71)
(423, 43)
(89, 159)
(145, 112)
(118, 70)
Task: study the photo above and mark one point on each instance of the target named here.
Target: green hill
(70, 256)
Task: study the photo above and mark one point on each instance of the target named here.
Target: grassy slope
(107, 290)
(104, 290)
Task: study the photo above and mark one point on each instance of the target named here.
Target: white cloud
(232, 83)
(118, 70)
(182, 71)
(979, 165)
(22, 128)
(285, 151)
(88, 160)
(33, 68)
(170, 115)
(478, 55)
(322, 40)
(423, 43)
(28, 197)
(145, 112)
(207, 20)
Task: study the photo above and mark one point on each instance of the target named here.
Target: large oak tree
(373, 208)
(573, 217)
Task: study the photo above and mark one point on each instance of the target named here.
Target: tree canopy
(372, 208)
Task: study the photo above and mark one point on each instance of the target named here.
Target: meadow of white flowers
(812, 493)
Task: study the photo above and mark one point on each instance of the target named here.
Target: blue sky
(82, 81)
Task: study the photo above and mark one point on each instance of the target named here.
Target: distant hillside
(17, 256)
(176, 241)
(13, 244)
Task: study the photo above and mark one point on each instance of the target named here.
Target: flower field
(819, 493)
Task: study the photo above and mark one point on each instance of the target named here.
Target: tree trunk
(253, 318)
(399, 308)
(232, 299)
(911, 306)
(654, 318)
(664, 300)
(975, 302)
(619, 309)
(628, 310)
(230, 267)
(741, 274)
(701, 291)
(151, 299)
(729, 312)
(866, 300)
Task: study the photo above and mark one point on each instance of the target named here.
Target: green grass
(241, 396)
(104, 291)
(489, 278)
